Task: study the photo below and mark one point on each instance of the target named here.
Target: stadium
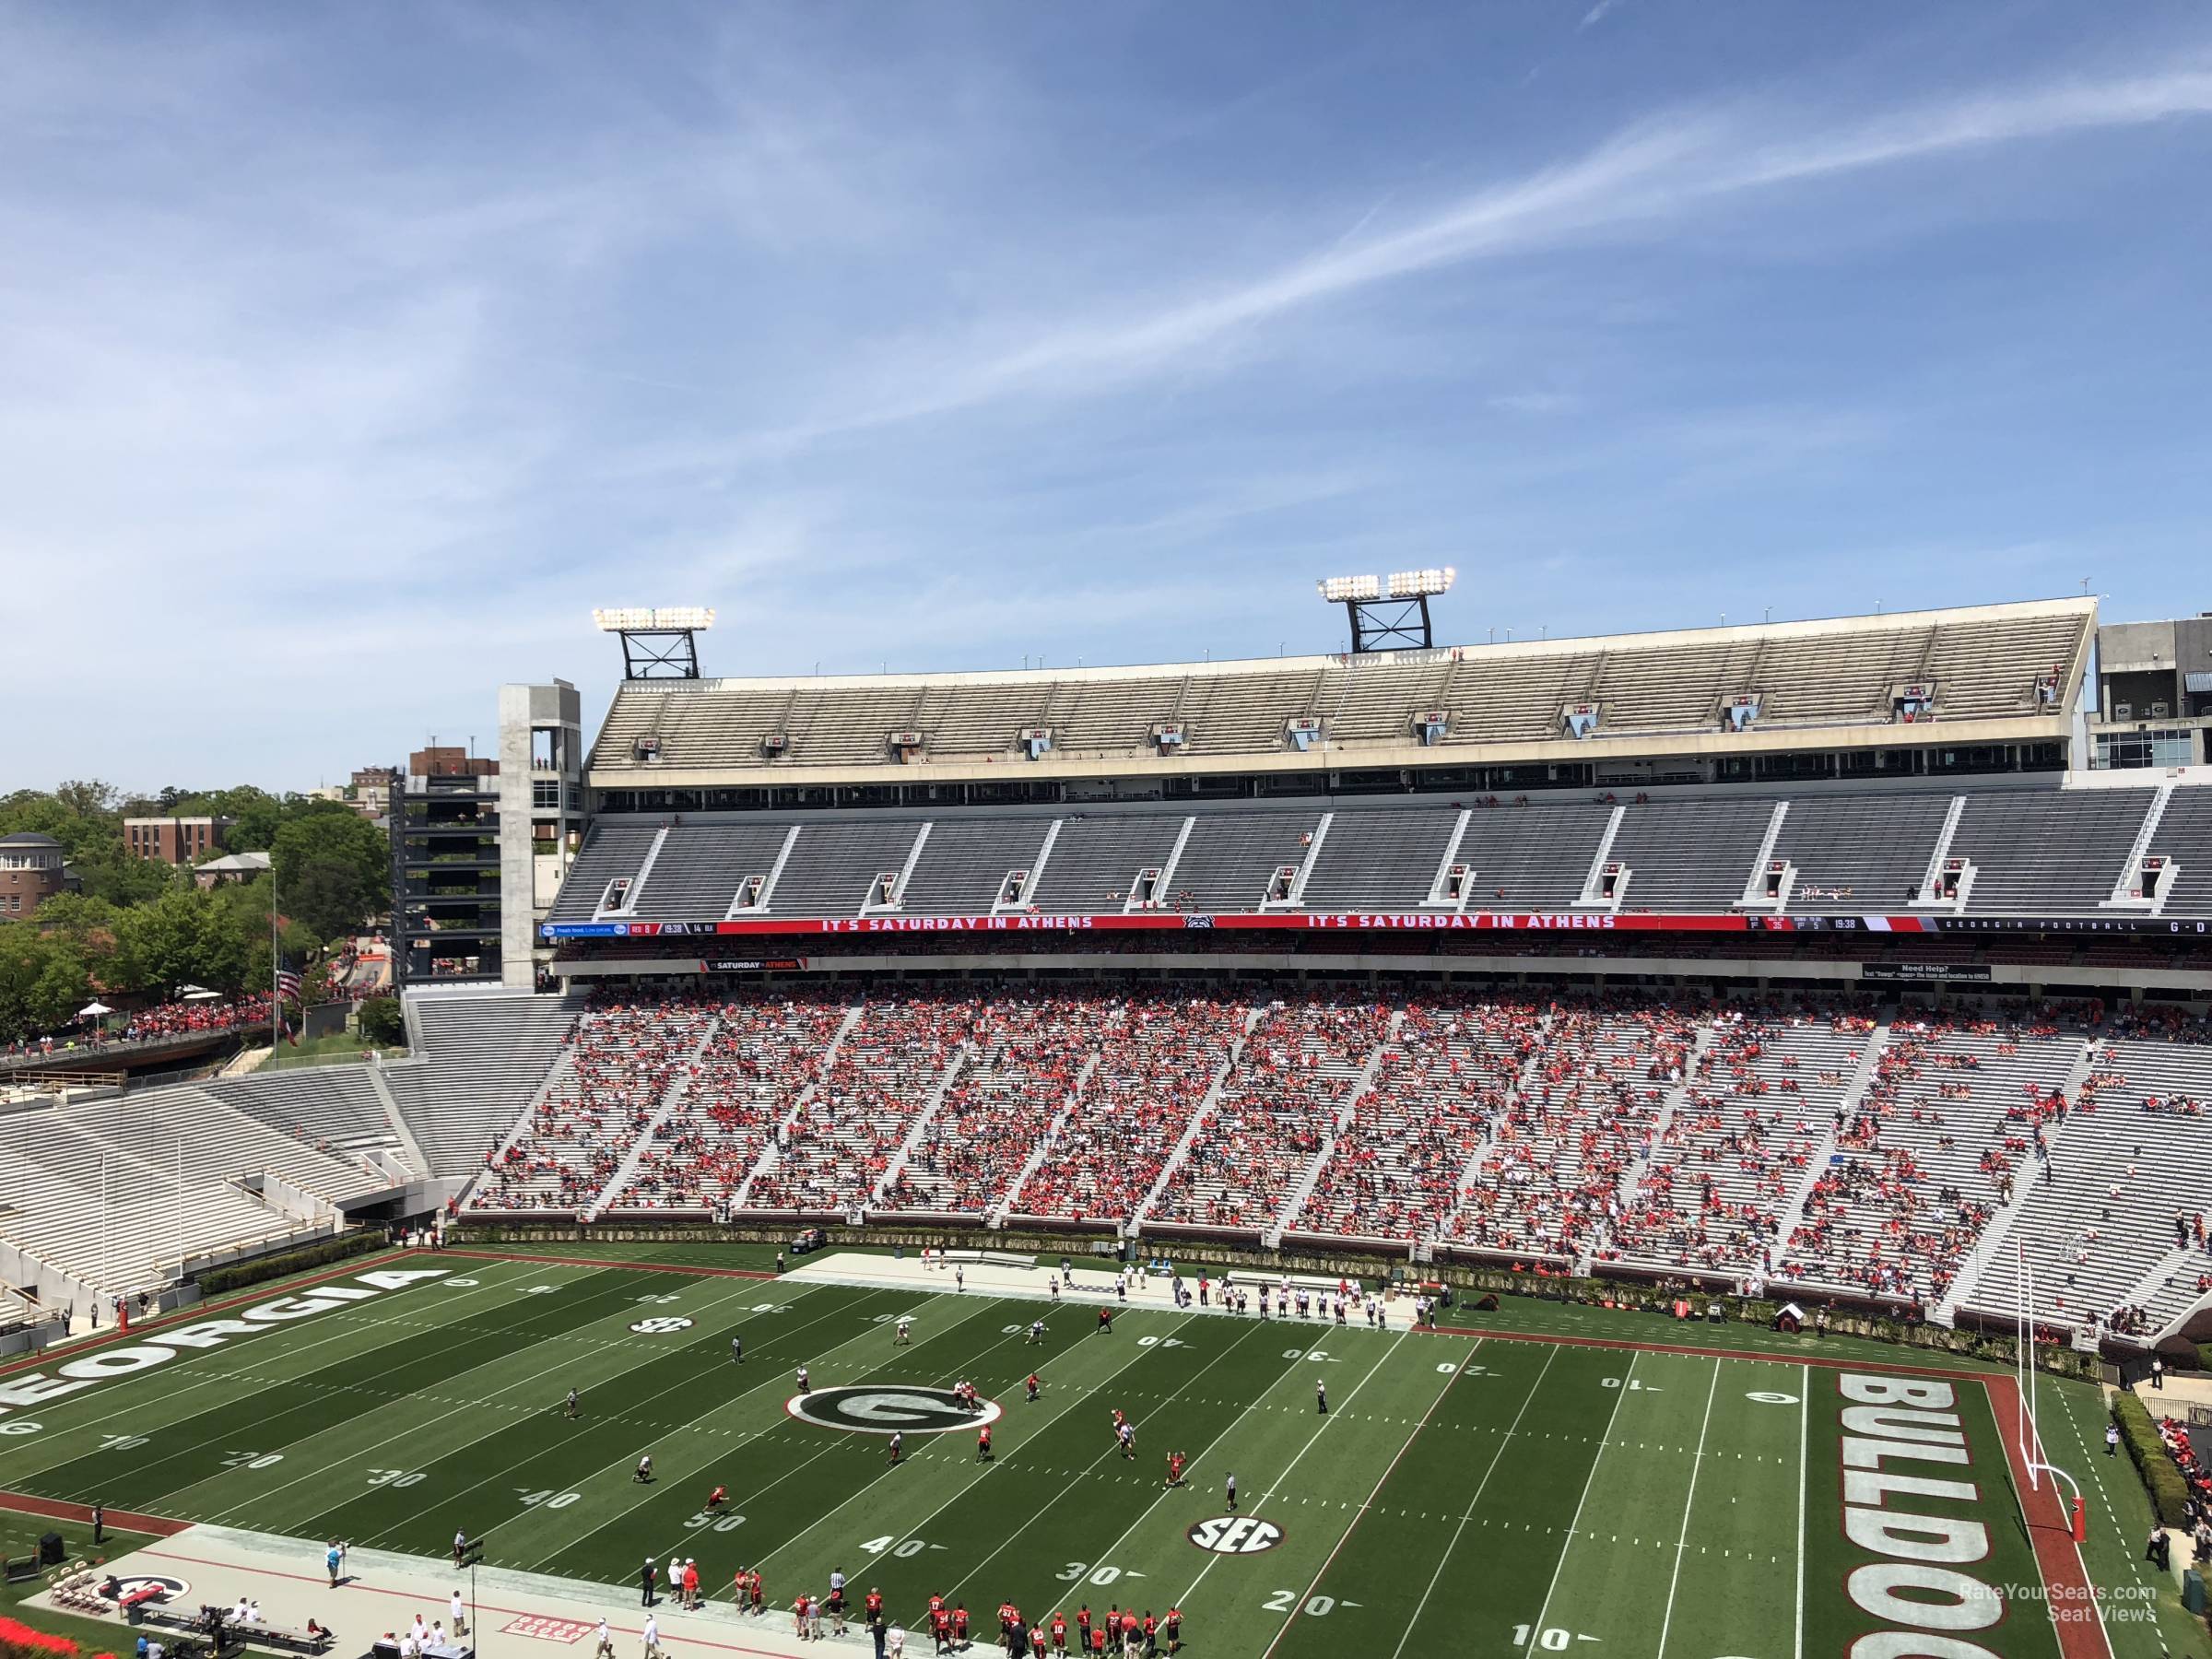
(1518, 1134)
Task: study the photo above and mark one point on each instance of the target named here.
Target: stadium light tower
(1389, 613)
(658, 641)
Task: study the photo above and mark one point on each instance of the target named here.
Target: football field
(1471, 1492)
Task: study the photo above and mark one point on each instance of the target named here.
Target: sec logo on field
(660, 1324)
(889, 1408)
(1236, 1535)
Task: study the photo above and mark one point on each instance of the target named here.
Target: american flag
(287, 983)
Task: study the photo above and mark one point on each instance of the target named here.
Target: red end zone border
(2077, 1617)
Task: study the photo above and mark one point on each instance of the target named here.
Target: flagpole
(274, 964)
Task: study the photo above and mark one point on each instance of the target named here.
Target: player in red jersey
(1033, 1385)
(1059, 1631)
(1174, 1469)
(982, 1444)
(1083, 1628)
(717, 1498)
(1171, 1627)
(959, 1625)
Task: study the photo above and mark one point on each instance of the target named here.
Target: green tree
(381, 1022)
(332, 868)
(184, 938)
(43, 981)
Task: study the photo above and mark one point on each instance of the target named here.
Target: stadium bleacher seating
(173, 1166)
(2037, 852)
(484, 1056)
(1744, 1141)
(1982, 661)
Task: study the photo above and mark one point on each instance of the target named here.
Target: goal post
(2026, 1426)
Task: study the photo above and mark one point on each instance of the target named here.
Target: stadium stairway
(1968, 1280)
(563, 1069)
(772, 1154)
(1793, 1216)
(1206, 1103)
(1478, 1160)
(1631, 1178)
(674, 1096)
(1046, 1143)
(1302, 1188)
(410, 1149)
(967, 1055)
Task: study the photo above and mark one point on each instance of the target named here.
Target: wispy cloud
(1651, 172)
(345, 363)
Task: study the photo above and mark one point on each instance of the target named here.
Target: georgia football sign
(889, 1408)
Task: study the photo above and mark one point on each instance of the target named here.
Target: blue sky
(350, 355)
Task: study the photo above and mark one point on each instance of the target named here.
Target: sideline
(54, 1509)
(1864, 1362)
(367, 1262)
(569, 1261)
(2077, 1611)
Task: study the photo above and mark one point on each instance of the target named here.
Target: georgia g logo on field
(1235, 1535)
(129, 1585)
(889, 1408)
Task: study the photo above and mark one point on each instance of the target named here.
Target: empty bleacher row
(121, 1193)
(2033, 852)
(1799, 1144)
(1982, 663)
(482, 1059)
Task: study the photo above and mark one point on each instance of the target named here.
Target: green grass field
(1494, 1493)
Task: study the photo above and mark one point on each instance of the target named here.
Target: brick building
(175, 840)
(31, 873)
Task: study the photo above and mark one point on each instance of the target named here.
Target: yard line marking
(743, 1440)
(1364, 1505)
(1589, 1479)
(505, 1469)
(1059, 1411)
(1289, 1369)
(192, 1369)
(533, 1380)
(1804, 1415)
(974, 1363)
(1421, 1606)
(1682, 1544)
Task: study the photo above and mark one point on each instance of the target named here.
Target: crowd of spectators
(164, 1022)
(1935, 1146)
(1439, 1087)
(1550, 1183)
(766, 1053)
(848, 1129)
(1157, 1056)
(1277, 1107)
(1626, 1129)
(1741, 1142)
(622, 1059)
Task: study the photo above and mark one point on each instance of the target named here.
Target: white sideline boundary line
(187, 1380)
(1805, 1417)
(321, 1470)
